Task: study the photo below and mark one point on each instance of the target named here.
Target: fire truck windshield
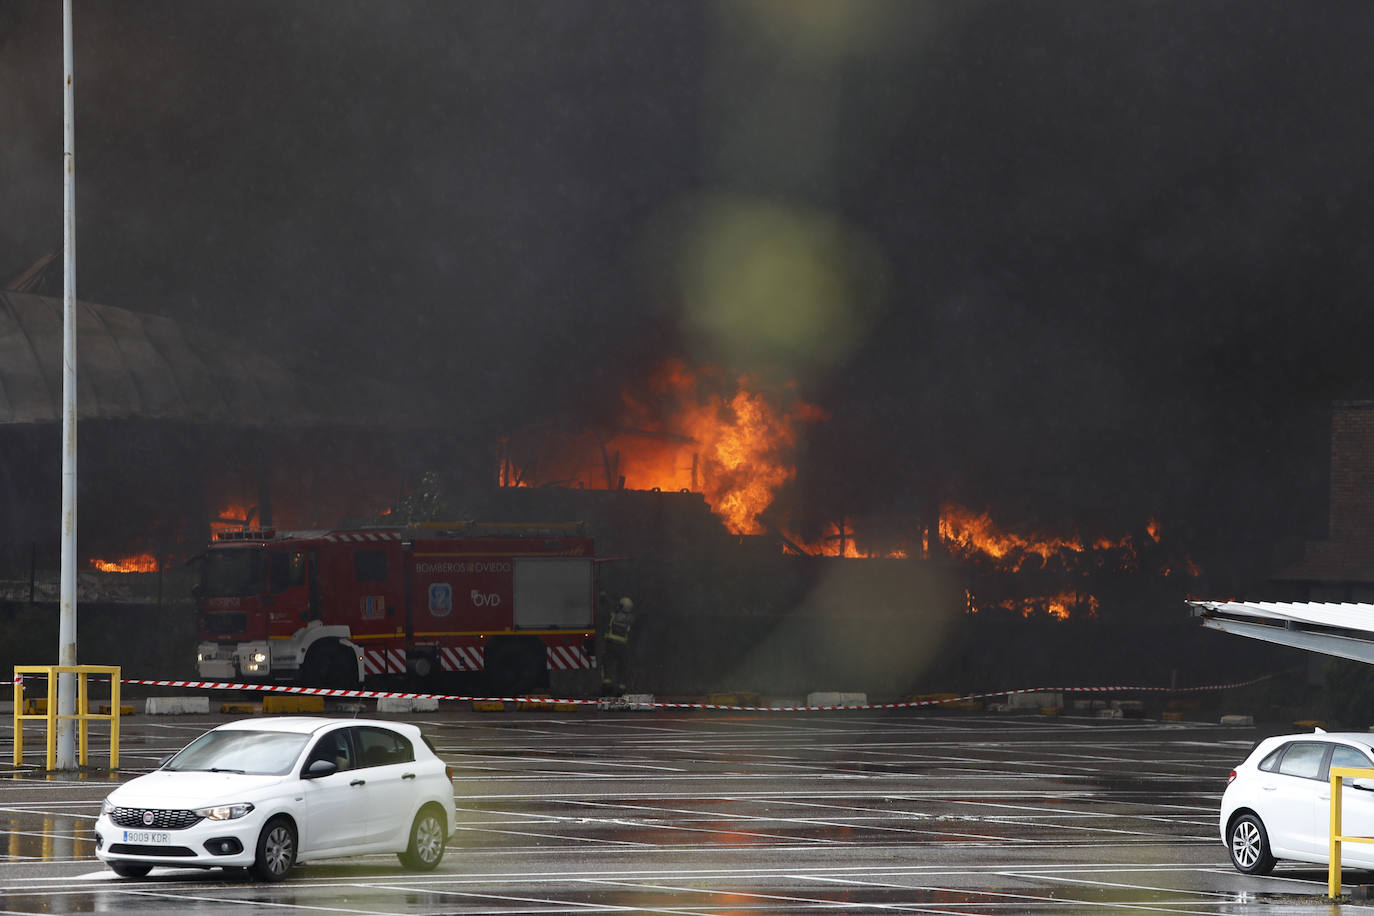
(233, 573)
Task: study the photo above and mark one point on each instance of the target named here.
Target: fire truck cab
(333, 608)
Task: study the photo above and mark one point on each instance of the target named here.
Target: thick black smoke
(1123, 248)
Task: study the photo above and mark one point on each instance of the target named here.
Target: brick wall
(1352, 471)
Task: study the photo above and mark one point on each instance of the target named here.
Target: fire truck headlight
(259, 657)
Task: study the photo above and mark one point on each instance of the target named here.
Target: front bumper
(234, 661)
(205, 844)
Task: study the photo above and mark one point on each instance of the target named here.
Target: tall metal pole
(66, 635)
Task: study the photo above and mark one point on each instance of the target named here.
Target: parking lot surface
(721, 813)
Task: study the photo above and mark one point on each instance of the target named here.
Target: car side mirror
(321, 768)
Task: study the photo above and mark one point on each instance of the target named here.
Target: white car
(268, 793)
(1277, 803)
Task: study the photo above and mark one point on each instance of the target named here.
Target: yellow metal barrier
(1333, 874)
(83, 715)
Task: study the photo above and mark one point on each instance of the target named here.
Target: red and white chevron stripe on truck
(568, 658)
(461, 658)
(384, 661)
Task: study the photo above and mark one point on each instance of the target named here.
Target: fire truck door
(287, 595)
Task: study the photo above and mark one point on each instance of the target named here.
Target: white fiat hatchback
(1277, 803)
(268, 793)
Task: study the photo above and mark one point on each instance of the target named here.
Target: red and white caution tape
(647, 703)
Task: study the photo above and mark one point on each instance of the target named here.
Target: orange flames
(730, 440)
(840, 540)
(1060, 605)
(966, 533)
(140, 563)
(232, 517)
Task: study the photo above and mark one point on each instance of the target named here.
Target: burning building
(180, 431)
(734, 442)
(691, 487)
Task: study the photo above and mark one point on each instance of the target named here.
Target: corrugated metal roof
(132, 365)
(1347, 615)
(1343, 630)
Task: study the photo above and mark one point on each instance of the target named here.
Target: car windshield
(236, 751)
(233, 573)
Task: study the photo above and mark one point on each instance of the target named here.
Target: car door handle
(358, 782)
(408, 776)
(1268, 788)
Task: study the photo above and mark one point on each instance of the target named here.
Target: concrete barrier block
(177, 706)
(1036, 700)
(1237, 720)
(543, 702)
(407, 704)
(488, 706)
(39, 707)
(635, 702)
(834, 698)
(735, 698)
(292, 704)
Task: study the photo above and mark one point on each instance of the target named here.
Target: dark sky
(1095, 260)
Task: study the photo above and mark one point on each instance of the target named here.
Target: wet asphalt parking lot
(593, 812)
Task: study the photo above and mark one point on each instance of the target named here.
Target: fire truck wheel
(330, 665)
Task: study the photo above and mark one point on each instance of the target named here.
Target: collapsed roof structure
(134, 365)
(178, 425)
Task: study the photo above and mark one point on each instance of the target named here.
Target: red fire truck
(332, 608)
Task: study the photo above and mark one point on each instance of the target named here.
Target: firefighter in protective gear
(616, 647)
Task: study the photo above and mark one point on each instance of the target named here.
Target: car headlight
(224, 812)
(106, 807)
